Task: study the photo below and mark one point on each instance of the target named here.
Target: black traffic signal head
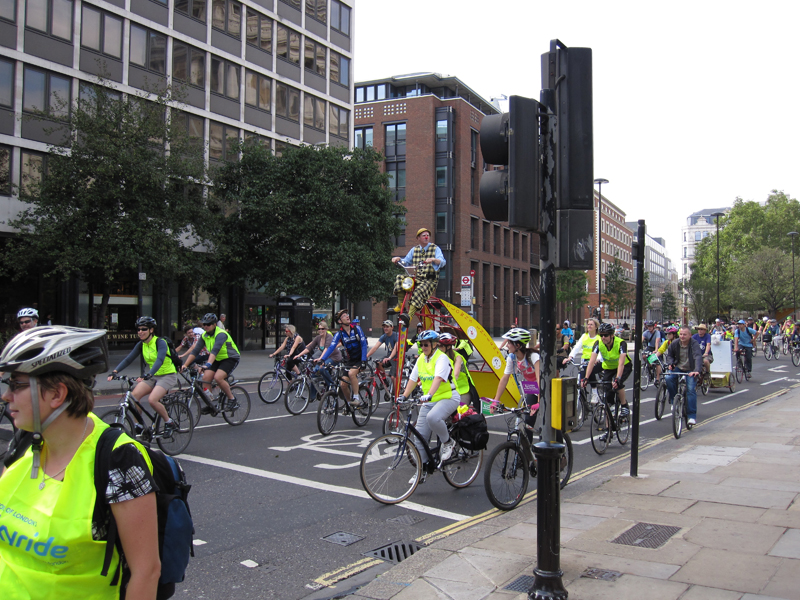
(512, 140)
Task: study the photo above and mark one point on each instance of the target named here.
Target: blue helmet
(428, 335)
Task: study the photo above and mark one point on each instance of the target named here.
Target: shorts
(227, 365)
(709, 358)
(352, 364)
(167, 381)
(609, 374)
(391, 369)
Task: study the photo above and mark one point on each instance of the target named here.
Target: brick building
(427, 125)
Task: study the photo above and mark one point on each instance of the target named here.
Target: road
(272, 489)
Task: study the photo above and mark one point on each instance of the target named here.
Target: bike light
(407, 284)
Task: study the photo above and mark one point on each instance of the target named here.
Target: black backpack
(175, 526)
(173, 354)
(472, 432)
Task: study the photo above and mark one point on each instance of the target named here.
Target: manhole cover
(343, 538)
(395, 552)
(406, 519)
(603, 574)
(522, 583)
(647, 535)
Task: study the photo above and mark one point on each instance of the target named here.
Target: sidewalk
(730, 496)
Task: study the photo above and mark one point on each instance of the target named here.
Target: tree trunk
(101, 314)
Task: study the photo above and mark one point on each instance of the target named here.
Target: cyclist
(223, 356)
(651, 338)
(434, 373)
(567, 330)
(427, 257)
(190, 338)
(522, 363)
(771, 329)
(52, 482)
(322, 341)
(685, 356)
(795, 339)
(610, 349)
(355, 346)
(672, 335)
(584, 347)
(295, 343)
(389, 341)
(27, 318)
(703, 338)
(743, 337)
(464, 384)
(162, 375)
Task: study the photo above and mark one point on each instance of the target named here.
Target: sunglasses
(425, 344)
(14, 385)
(321, 329)
(25, 322)
(143, 329)
(607, 335)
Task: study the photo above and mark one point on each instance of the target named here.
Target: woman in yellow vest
(223, 355)
(162, 375)
(584, 348)
(615, 362)
(51, 546)
(461, 375)
(440, 399)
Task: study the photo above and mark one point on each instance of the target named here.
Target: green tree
(669, 306)
(764, 281)
(618, 294)
(313, 221)
(571, 288)
(702, 296)
(113, 194)
(647, 292)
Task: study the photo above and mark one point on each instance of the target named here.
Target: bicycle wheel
(463, 466)
(565, 468)
(362, 413)
(270, 387)
(768, 351)
(623, 428)
(661, 399)
(115, 416)
(785, 345)
(7, 430)
(705, 383)
(580, 409)
(395, 421)
(747, 374)
(644, 381)
(180, 437)
(686, 414)
(327, 412)
(677, 416)
(506, 476)
(739, 371)
(296, 398)
(796, 357)
(390, 469)
(236, 411)
(599, 429)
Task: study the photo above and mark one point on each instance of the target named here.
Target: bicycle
(607, 421)
(129, 415)
(705, 380)
(661, 396)
(333, 401)
(796, 353)
(771, 349)
(235, 412)
(649, 371)
(740, 368)
(785, 344)
(305, 388)
(392, 468)
(378, 382)
(511, 464)
(584, 407)
(271, 384)
(680, 406)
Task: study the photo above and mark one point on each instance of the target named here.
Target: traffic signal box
(563, 399)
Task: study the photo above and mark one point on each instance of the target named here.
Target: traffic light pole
(548, 584)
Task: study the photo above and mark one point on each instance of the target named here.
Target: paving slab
(458, 568)
(762, 484)
(579, 561)
(459, 590)
(637, 485)
(786, 582)
(782, 518)
(506, 544)
(677, 467)
(711, 477)
(638, 515)
(464, 538)
(699, 592)
(573, 521)
(663, 503)
(579, 508)
(730, 495)
(762, 470)
(732, 512)
(788, 545)
(420, 590)
(523, 531)
(745, 537)
(627, 587)
(499, 568)
(760, 597)
(728, 570)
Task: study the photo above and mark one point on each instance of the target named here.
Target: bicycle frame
(129, 403)
(401, 448)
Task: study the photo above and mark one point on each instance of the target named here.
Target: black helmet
(605, 329)
(146, 322)
(339, 314)
(209, 318)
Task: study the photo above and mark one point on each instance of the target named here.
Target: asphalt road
(271, 490)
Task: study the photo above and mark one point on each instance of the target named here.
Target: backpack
(471, 432)
(175, 526)
(177, 361)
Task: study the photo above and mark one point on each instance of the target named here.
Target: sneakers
(595, 398)
(446, 450)
(393, 311)
(170, 427)
(357, 402)
(692, 421)
(624, 411)
(413, 480)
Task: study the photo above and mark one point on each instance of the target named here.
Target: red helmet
(672, 329)
(447, 339)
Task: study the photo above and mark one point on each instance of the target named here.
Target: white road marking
(727, 396)
(250, 564)
(778, 369)
(223, 423)
(773, 381)
(197, 542)
(317, 485)
(589, 439)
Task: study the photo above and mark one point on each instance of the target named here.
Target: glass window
(287, 102)
(259, 30)
(138, 46)
(363, 137)
(193, 8)
(36, 14)
(90, 28)
(258, 90)
(148, 49)
(314, 112)
(441, 130)
(315, 57)
(32, 168)
(50, 16)
(34, 90)
(188, 64)
(225, 78)
(222, 141)
(441, 177)
(112, 36)
(340, 17)
(62, 19)
(381, 90)
(226, 15)
(288, 44)
(359, 94)
(158, 53)
(441, 222)
(6, 83)
(318, 9)
(340, 73)
(5, 170)
(8, 10)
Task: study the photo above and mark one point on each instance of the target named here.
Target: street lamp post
(793, 234)
(600, 181)
(718, 215)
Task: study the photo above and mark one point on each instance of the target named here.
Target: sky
(695, 103)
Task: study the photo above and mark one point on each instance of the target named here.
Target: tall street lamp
(600, 181)
(793, 235)
(718, 215)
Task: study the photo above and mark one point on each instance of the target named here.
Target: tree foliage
(669, 307)
(113, 194)
(571, 288)
(618, 294)
(313, 221)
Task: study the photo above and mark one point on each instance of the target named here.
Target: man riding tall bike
(428, 259)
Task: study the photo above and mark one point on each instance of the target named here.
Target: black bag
(471, 432)
(175, 526)
(173, 354)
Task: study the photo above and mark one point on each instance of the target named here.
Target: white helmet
(517, 334)
(765, 319)
(28, 312)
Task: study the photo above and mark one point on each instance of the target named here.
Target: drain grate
(406, 519)
(343, 538)
(395, 552)
(603, 574)
(523, 583)
(647, 535)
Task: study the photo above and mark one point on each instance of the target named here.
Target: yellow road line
(329, 579)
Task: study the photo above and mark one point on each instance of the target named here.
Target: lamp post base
(547, 585)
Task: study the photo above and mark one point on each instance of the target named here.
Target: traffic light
(512, 140)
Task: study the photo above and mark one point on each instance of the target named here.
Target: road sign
(466, 297)
(466, 280)
(472, 273)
